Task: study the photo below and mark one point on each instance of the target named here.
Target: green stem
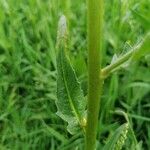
(136, 52)
(110, 68)
(95, 13)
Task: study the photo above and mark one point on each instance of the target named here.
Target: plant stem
(110, 68)
(137, 51)
(95, 15)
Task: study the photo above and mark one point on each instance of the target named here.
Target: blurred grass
(28, 72)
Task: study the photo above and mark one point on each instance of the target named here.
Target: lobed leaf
(70, 99)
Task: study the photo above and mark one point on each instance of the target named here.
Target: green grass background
(28, 30)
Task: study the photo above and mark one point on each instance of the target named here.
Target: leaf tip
(62, 29)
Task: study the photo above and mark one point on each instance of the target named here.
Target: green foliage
(71, 103)
(143, 49)
(28, 73)
(117, 140)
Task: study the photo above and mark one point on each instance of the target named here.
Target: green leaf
(117, 140)
(143, 19)
(70, 99)
(139, 146)
(71, 103)
(142, 49)
(2, 58)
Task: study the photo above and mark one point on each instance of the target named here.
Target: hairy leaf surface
(70, 103)
(70, 99)
(143, 49)
(116, 141)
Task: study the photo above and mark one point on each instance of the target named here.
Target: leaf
(56, 134)
(71, 102)
(139, 146)
(115, 57)
(62, 31)
(117, 140)
(142, 49)
(143, 19)
(70, 99)
(2, 58)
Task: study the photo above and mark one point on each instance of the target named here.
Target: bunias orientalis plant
(71, 103)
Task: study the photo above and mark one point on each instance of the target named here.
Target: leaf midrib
(76, 113)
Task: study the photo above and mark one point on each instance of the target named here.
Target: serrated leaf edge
(75, 111)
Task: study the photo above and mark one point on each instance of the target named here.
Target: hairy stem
(110, 68)
(95, 13)
(135, 53)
